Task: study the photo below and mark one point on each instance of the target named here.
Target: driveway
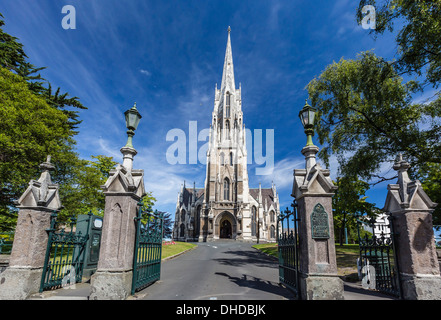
(221, 270)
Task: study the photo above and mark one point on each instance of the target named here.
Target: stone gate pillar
(313, 190)
(411, 211)
(23, 276)
(123, 190)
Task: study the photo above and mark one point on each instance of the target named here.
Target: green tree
(417, 28)
(349, 203)
(148, 201)
(13, 58)
(168, 225)
(81, 191)
(366, 117)
(366, 111)
(430, 175)
(35, 122)
(30, 130)
(417, 38)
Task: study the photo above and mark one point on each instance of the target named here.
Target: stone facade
(23, 276)
(411, 210)
(123, 189)
(226, 207)
(313, 190)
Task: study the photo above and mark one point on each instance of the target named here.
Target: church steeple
(226, 208)
(227, 114)
(228, 83)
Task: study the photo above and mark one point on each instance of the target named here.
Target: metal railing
(288, 249)
(65, 255)
(6, 240)
(148, 248)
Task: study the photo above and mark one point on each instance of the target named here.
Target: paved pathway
(219, 271)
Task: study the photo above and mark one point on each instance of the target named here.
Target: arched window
(272, 216)
(227, 129)
(272, 232)
(183, 215)
(253, 221)
(226, 189)
(231, 159)
(198, 220)
(227, 105)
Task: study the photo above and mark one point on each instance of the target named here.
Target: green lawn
(172, 249)
(268, 248)
(346, 258)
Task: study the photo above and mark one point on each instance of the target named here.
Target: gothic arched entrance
(225, 226)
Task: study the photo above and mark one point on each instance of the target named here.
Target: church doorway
(225, 230)
(225, 226)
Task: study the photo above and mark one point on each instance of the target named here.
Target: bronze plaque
(319, 223)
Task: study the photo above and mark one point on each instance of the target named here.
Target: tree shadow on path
(259, 284)
(242, 257)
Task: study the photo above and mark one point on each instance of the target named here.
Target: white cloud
(145, 72)
(282, 174)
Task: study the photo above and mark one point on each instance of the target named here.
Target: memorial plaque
(319, 223)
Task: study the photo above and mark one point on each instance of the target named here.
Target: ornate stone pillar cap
(406, 194)
(41, 193)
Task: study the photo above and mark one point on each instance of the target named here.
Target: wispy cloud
(282, 173)
(145, 72)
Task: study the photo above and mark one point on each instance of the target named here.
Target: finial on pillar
(229, 29)
(47, 165)
(402, 166)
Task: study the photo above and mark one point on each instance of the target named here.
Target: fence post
(113, 278)
(22, 277)
(123, 190)
(313, 190)
(411, 211)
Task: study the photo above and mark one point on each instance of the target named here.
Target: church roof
(267, 194)
(188, 195)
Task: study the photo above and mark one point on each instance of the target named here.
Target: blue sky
(168, 55)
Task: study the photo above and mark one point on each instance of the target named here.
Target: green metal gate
(148, 248)
(6, 241)
(378, 262)
(64, 259)
(288, 249)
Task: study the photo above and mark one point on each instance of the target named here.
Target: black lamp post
(307, 116)
(132, 120)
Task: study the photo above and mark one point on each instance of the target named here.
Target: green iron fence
(6, 240)
(288, 249)
(148, 248)
(65, 254)
(378, 262)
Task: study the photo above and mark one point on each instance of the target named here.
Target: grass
(268, 248)
(346, 258)
(172, 249)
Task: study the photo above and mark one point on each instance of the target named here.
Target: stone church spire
(228, 83)
(226, 207)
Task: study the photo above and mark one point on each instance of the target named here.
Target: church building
(226, 208)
